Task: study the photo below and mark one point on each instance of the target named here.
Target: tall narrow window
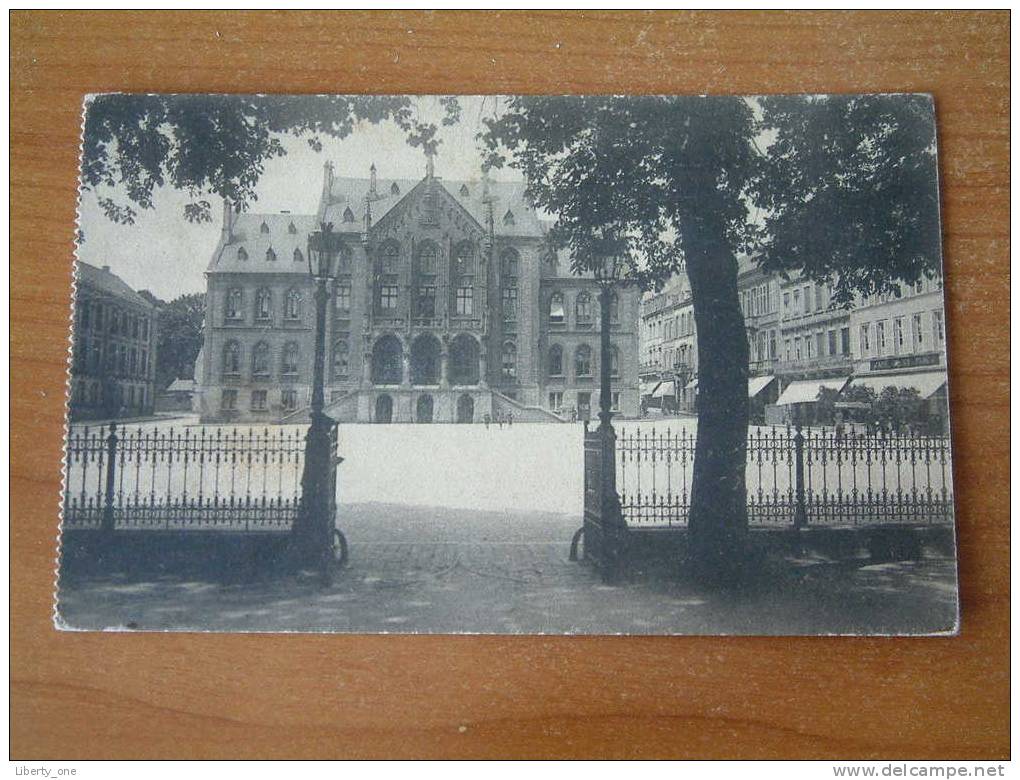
(510, 265)
(263, 304)
(919, 343)
(343, 294)
(387, 290)
(555, 360)
(509, 361)
(425, 280)
(614, 361)
(582, 361)
(232, 358)
(233, 308)
(614, 308)
(865, 339)
(557, 316)
(464, 273)
(260, 360)
(291, 354)
(936, 327)
(582, 310)
(292, 305)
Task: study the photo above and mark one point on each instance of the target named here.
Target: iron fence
(185, 479)
(794, 477)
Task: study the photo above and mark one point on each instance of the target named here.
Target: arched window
(241, 253)
(464, 191)
(387, 291)
(614, 361)
(508, 218)
(291, 355)
(260, 360)
(292, 228)
(348, 215)
(264, 227)
(555, 360)
(390, 257)
(341, 359)
(464, 360)
(394, 189)
(509, 361)
(292, 305)
(582, 361)
(464, 276)
(231, 358)
(425, 280)
(583, 310)
(557, 315)
(387, 360)
(263, 304)
(509, 263)
(614, 308)
(298, 256)
(234, 309)
(270, 255)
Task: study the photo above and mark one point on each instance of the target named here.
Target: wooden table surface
(79, 695)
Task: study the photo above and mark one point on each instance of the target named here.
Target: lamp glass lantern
(324, 247)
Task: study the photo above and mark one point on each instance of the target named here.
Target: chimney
(372, 185)
(228, 220)
(430, 164)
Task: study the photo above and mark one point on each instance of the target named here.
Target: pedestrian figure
(487, 418)
(499, 419)
(509, 419)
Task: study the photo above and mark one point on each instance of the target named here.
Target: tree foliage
(218, 145)
(850, 189)
(178, 337)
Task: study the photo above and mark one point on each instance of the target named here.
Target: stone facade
(113, 364)
(448, 306)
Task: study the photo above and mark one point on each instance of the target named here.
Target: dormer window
(464, 191)
(241, 254)
(348, 215)
(270, 255)
(264, 228)
(394, 189)
(298, 257)
(508, 218)
(292, 229)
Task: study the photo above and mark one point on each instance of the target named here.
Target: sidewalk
(444, 571)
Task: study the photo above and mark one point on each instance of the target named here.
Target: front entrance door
(465, 409)
(383, 409)
(424, 410)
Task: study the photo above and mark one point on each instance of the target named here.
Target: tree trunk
(718, 512)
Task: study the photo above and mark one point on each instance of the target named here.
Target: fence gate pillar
(604, 528)
(800, 511)
(111, 480)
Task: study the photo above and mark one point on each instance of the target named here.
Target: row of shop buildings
(799, 343)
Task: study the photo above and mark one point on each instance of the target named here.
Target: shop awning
(648, 388)
(665, 389)
(758, 383)
(806, 391)
(926, 384)
(692, 385)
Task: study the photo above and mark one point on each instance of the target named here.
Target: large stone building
(448, 307)
(799, 343)
(113, 365)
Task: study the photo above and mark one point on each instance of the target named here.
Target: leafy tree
(825, 407)
(178, 338)
(898, 407)
(217, 145)
(840, 187)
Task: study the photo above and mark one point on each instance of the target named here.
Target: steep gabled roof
(107, 281)
(253, 235)
(345, 192)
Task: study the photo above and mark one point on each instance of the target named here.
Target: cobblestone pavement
(440, 571)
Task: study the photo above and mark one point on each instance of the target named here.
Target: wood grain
(83, 695)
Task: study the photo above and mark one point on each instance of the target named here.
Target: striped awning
(665, 389)
(806, 391)
(758, 383)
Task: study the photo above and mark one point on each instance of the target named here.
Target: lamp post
(609, 254)
(314, 531)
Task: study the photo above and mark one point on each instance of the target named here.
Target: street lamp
(609, 254)
(314, 531)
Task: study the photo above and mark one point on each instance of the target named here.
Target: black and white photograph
(508, 364)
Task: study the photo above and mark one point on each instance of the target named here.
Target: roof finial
(372, 180)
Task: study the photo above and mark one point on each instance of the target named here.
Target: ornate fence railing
(813, 477)
(203, 479)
